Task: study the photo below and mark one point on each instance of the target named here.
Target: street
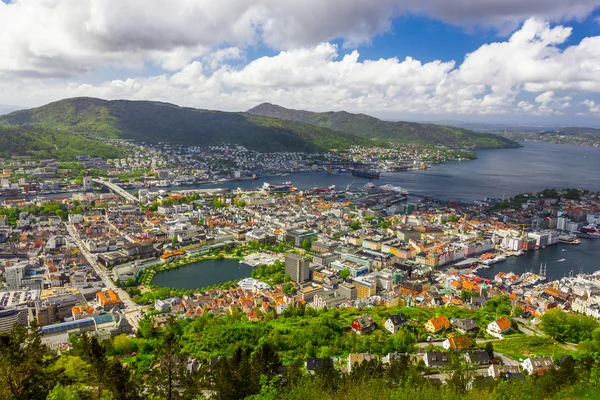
(131, 309)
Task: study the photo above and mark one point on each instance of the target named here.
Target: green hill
(162, 122)
(373, 128)
(42, 143)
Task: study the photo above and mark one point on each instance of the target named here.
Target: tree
(118, 381)
(24, 362)
(489, 348)
(466, 295)
(61, 393)
(404, 341)
(568, 327)
(517, 311)
(345, 273)
(306, 245)
(171, 378)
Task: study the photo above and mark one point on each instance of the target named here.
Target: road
(132, 310)
(118, 190)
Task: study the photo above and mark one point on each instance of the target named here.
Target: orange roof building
(108, 298)
(437, 324)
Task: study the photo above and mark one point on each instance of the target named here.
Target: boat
(369, 186)
(328, 189)
(568, 239)
(519, 253)
(392, 188)
(494, 260)
(365, 174)
(591, 229)
(561, 260)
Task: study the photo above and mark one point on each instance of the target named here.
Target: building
(309, 292)
(108, 299)
(363, 324)
(365, 288)
(437, 324)
(87, 183)
(457, 342)
(323, 247)
(348, 290)
(55, 309)
(297, 267)
(500, 326)
(496, 371)
(533, 364)
(464, 325)
(477, 357)
(435, 359)
(312, 364)
(298, 236)
(355, 359)
(23, 275)
(395, 322)
(13, 315)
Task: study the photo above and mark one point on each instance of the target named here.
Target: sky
(497, 61)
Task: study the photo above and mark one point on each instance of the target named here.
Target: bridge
(118, 190)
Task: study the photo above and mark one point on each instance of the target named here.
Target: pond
(202, 274)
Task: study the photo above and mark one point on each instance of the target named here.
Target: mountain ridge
(398, 131)
(165, 122)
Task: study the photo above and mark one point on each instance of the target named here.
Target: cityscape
(396, 228)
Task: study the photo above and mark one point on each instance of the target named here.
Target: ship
(568, 239)
(328, 189)
(494, 260)
(392, 188)
(591, 229)
(365, 174)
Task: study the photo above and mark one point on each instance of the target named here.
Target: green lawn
(527, 346)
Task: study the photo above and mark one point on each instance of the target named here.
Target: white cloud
(528, 73)
(67, 37)
(58, 38)
(593, 107)
(505, 15)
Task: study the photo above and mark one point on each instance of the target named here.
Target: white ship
(494, 260)
(392, 188)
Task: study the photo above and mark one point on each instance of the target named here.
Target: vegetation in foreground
(154, 365)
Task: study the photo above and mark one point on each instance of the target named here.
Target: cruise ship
(490, 261)
(392, 188)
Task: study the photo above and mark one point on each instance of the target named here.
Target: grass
(528, 346)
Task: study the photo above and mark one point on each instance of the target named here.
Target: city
(298, 200)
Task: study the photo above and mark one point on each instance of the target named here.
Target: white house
(534, 363)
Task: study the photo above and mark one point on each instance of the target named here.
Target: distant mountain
(576, 130)
(162, 122)
(7, 108)
(43, 143)
(373, 128)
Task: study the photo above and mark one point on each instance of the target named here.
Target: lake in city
(496, 173)
(202, 274)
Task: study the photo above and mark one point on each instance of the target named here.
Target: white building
(535, 363)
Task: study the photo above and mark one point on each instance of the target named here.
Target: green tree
(345, 273)
(306, 245)
(466, 295)
(404, 341)
(171, 379)
(24, 363)
(61, 393)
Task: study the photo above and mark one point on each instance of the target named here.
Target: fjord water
(495, 173)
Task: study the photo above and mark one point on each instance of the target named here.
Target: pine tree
(23, 364)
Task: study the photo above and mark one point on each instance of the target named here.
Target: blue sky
(533, 62)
